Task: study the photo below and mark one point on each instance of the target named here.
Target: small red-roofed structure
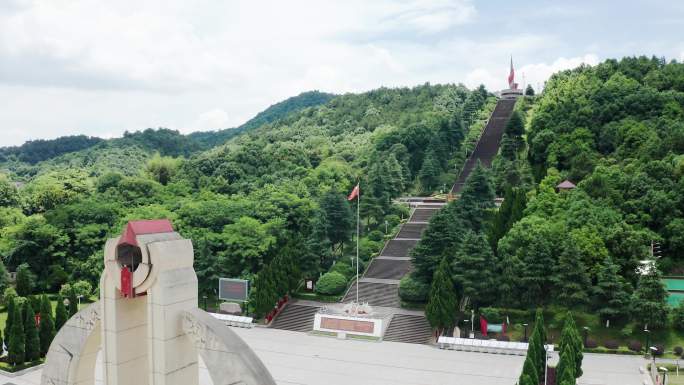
(565, 185)
(135, 228)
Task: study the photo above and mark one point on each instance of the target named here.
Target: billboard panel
(231, 289)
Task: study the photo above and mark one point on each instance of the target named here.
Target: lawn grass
(553, 316)
(9, 368)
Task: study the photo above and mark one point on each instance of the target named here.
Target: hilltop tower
(512, 92)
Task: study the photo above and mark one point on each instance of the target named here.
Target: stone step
(407, 328)
(398, 248)
(376, 294)
(423, 214)
(488, 145)
(299, 318)
(388, 268)
(411, 230)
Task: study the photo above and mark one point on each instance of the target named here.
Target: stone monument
(147, 324)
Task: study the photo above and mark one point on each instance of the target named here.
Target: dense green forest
(616, 130)
(270, 199)
(128, 154)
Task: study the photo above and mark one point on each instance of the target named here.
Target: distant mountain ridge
(166, 141)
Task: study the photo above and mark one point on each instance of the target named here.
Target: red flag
(354, 194)
(511, 75)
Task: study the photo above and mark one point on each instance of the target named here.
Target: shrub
(611, 344)
(332, 283)
(400, 210)
(591, 343)
(376, 235)
(392, 220)
(635, 346)
(493, 315)
(678, 350)
(344, 268)
(368, 247)
(412, 290)
(678, 317)
(8, 295)
(503, 337)
(83, 288)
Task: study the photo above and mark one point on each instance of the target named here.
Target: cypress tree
(498, 227)
(571, 341)
(475, 270)
(47, 325)
(649, 301)
(571, 278)
(61, 314)
(430, 171)
(10, 319)
(16, 348)
(529, 370)
(73, 302)
(441, 307)
(32, 341)
(611, 297)
(526, 380)
(566, 365)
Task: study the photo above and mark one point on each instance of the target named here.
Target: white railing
(485, 346)
(234, 320)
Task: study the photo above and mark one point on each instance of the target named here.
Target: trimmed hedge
(635, 346)
(344, 268)
(611, 344)
(591, 343)
(412, 290)
(331, 283)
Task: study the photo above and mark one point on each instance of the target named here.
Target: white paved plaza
(297, 358)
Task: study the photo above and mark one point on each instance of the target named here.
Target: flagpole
(358, 211)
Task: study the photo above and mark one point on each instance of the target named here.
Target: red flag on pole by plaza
(354, 194)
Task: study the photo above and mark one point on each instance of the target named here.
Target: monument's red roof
(135, 228)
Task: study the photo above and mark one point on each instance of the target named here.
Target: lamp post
(386, 225)
(205, 302)
(525, 338)
(465, 328)
(647, 332)
(546, 364)
(654, 350)
(586, 334)
(665, 371)
(79, 300)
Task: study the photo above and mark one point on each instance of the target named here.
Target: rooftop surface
(298, 358)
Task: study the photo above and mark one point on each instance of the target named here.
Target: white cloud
(97, 67)
(211, 120)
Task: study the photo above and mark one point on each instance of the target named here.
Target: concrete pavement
(302, 359)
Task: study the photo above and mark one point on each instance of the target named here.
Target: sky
(100, 68)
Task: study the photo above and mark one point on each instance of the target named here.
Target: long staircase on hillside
(379, 285)
(488, 145)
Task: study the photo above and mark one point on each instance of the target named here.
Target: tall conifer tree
(16, 350)
(47, 325)
(32, 341)
(441, 307)
(61, 314)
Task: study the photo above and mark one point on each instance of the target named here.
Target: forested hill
(615, 130)
(165, 141)
(276, 191)
(207, 140)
